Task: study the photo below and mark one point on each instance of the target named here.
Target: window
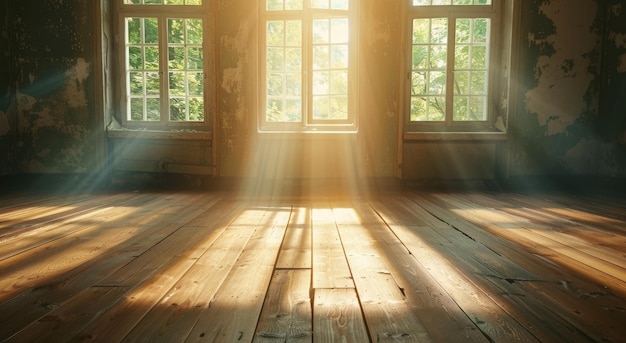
(307, 65)
(163, 62)
(451, 65)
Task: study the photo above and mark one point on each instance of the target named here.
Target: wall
(612, 118)
(569, 120)
(52, 59)
(557, 128)
(8, 133)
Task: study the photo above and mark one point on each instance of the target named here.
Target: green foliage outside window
(430, 70)
(185, 65)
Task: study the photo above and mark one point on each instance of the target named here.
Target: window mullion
(307, 65)
(163, 71)
(450, 69)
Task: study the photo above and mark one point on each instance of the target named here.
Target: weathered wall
(555, 129)
(53, 63)
(570, 119)
(380, 79)
(8, 136)
(236, 82)
(612, 120)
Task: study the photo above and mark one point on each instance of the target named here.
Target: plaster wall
(562, 85)
(570, 86)
(52, 64)
(8, 134)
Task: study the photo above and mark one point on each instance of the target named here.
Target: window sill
(454, 136)
(157, 134)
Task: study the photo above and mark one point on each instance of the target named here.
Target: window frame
(494, 12)
(163, 12)
(308, 124)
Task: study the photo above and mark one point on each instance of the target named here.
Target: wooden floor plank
(295, 251)
(337, 317)
(123, 316)
(173, 316)
(328, 256)
(389, 316)
(67, 248)
(142, 234)
(287, 315)
(540, 300)
(234, 310)
(397, 266)
(469, 313)
(68, 319)
(606, 274)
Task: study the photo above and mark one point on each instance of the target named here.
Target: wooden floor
(401, 266)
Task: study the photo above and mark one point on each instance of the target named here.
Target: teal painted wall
(569, 121)
(8, 133)
(51, 64)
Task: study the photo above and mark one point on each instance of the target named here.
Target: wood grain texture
(287, 313)
(398, 266)
(337, 317)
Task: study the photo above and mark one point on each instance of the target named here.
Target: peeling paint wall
(554, 129)
(380, 77)
(53, 64)
(612, 121)
(7, 95)
(236, 119)
(570, 118)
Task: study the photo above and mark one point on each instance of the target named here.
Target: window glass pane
(282, 5)
(322, 4)
(163, 2)
(293, 59)
(185, 64)
(152, 83)
(151, 56)
(327, 38)
(339, 31)
(293, 4)
(293, 33)
(283, 70)
(339, 82)
(135, 58)
(339, 56)
(321, 108)
(293, 85)
(275, 85)
(195, 58)
(177, 84)
(429, 69)
(195, 83)
(142, 69)
(321, 57)
(321, 31)
(196, 109)
(275, 33)
(275, 59)
(339, 107)
(151, 30)
(274, 111)
(450, 2)
(136, 109)
(339, 4)
(275, 5)
(153, 106)
(321, 83)
(471, 61)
